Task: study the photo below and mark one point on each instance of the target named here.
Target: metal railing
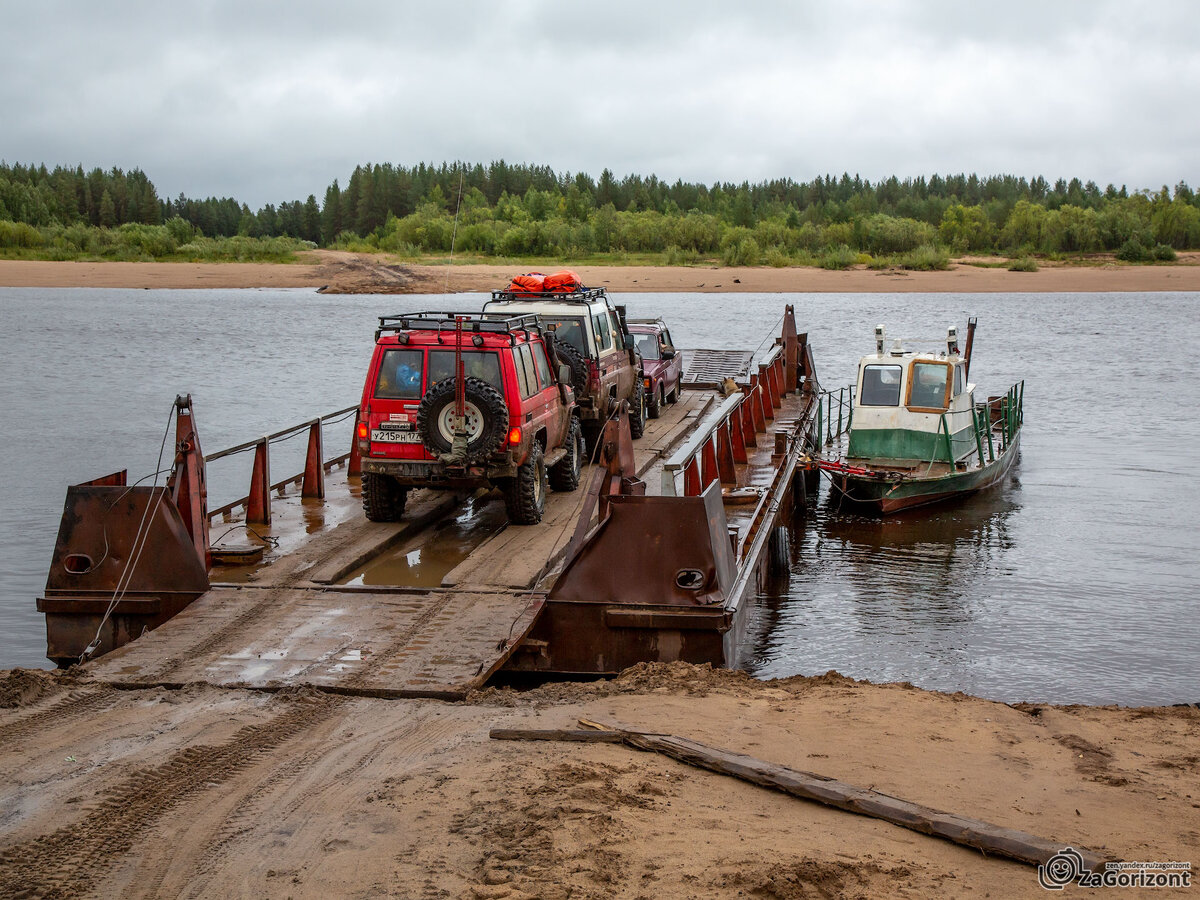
(713, 452)
(999, 421)
(312, 479)
(843, 399)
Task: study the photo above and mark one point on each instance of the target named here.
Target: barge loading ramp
(297, 626)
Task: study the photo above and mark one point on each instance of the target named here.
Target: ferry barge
(655, 558)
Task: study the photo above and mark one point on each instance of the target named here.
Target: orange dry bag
(564, 282)
(527, 284)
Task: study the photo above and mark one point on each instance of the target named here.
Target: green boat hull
(888, 496)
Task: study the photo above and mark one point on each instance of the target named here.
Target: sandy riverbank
(209, 792)
(338, 272)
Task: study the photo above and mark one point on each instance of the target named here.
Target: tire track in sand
(77, 703)
(70, 862)
(411, 738)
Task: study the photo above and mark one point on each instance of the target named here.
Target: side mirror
(667, 352)
(564, 374)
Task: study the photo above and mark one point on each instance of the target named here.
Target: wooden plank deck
(292, 627)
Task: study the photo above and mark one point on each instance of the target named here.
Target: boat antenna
(454, 234)
(970, 341)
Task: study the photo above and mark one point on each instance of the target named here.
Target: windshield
(647, 345)
(928, 385)
(569, 331)
(881, 386)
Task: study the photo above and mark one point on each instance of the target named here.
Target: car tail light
(593, 375)
(363, 431)
(514, 434)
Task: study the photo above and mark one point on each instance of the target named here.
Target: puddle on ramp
(426, 558)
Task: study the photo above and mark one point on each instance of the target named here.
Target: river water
(1073, 582)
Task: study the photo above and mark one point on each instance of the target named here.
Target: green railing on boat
(843, 399)
(998, 421)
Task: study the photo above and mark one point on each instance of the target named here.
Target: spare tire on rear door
(568, 355)
(486, 418)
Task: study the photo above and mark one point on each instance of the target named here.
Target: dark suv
(515, 429)
(660, 360)
(592, 339)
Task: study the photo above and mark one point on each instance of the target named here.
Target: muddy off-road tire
(525, 495)
(564, 475)
(569, 356)
(656, 402)
(637, 411)
(382, 498)
(487, 418)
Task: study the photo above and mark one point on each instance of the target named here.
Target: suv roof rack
(472, 321)
(579, 296)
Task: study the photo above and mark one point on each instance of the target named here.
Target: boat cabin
(912, 407)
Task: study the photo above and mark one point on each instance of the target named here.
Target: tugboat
(917, 434)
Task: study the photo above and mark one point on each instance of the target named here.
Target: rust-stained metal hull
(123, 564)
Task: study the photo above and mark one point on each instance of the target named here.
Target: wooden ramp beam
(1018, 845)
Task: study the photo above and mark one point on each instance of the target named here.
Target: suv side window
(526, 373)
(665, 340)
(603, 331)
(542, 365)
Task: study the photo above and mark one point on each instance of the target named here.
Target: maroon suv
(517, 429)
(662, 363)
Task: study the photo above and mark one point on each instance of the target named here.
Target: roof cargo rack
(472, 323)
(579, 296)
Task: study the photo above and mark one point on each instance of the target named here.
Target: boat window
(881, 386)
(400, 375)
(958, 380)
(484, 366)
(928, 385)
(647, 345)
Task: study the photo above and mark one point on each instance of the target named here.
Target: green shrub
(839, 257)
(678, 256)
(925, 258)
(1164, 252)
(1133, 251)
(18, 234)
(745, 252)
(1023, 264)
(777, 258)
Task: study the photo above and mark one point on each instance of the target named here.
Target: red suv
(509, 422)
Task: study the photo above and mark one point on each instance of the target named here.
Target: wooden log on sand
(969, 832)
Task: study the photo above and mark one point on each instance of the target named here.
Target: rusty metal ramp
(375, 642)
(709, 368)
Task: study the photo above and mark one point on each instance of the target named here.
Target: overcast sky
(269, 102)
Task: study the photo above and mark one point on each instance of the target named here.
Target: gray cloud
(271, 102)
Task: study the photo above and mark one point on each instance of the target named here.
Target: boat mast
(970, 341)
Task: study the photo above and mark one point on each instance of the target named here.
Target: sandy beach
(339, 272)
(209, 792)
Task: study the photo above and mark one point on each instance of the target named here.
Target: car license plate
(395, 437)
